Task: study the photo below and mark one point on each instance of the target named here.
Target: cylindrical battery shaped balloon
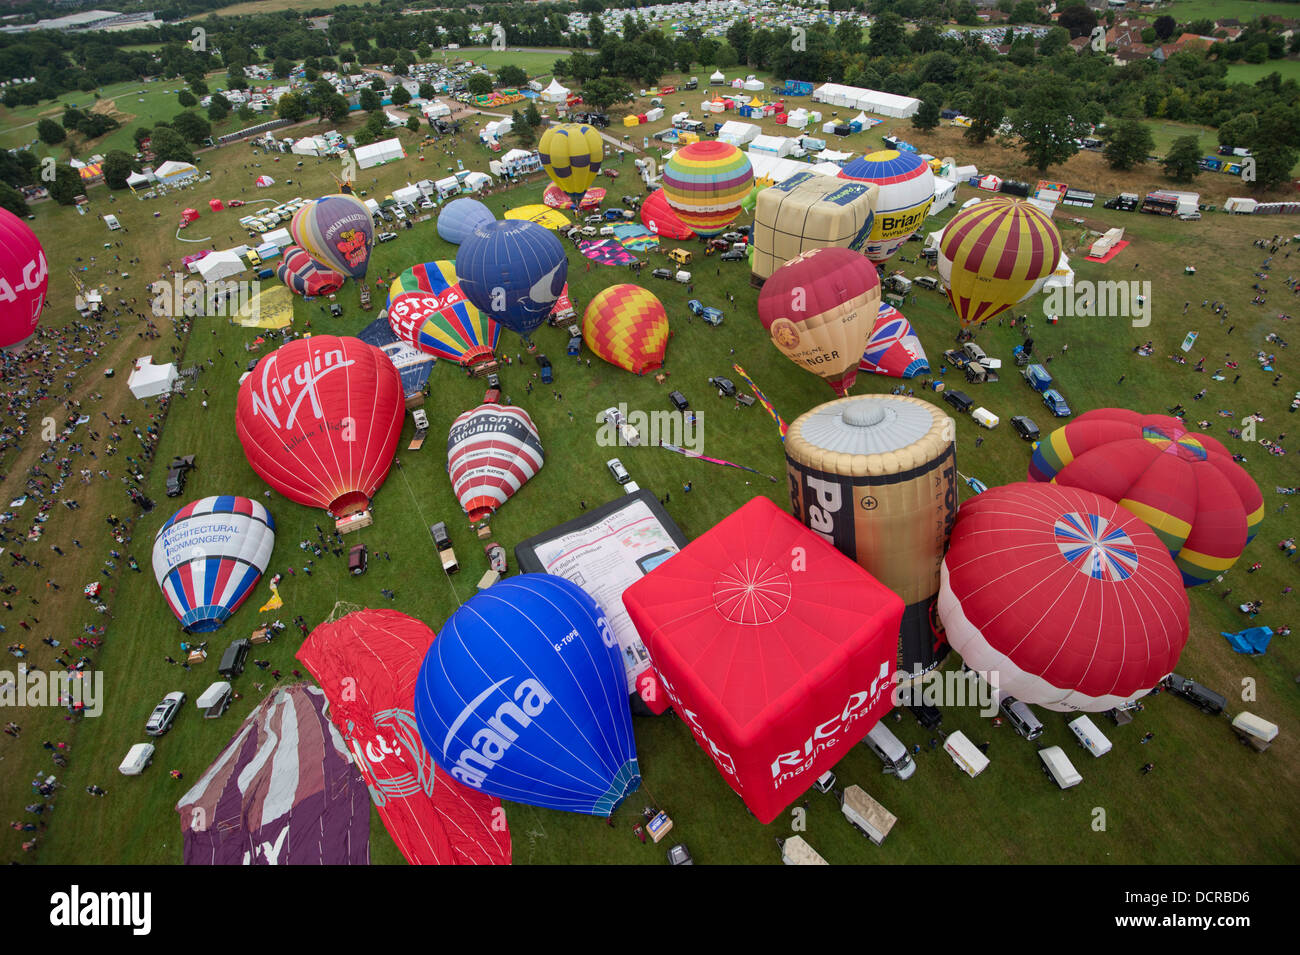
(876, 475)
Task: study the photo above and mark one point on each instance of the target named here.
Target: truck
(1038, 377)
(442, 543)
(866, 815)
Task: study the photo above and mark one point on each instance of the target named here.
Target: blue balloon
(523, 696)
(513, 270)
(459, 217)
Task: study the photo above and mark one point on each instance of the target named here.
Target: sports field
(1187, 812)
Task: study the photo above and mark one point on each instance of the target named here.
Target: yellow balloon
(571, 154)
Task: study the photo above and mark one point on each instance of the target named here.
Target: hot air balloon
(523, 696)
(492, 450)
(319, 420)
(305, 276)
(705, 183)
(338, 232)
(24, 278)
(906, 192)
(459, 217)
(994, 254)
(283, 792)
(513, 271)
(571, 154)
(894, 348)
(627, 326)
(877, 476)
(368, 661)
(1061, 597)
(774, 649)
(661, 219)
(1202, 505)
(809, 211)
(209, 556)
(427, 308)
(820, 308)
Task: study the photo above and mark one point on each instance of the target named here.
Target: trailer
(965, 754)
(1254, 732)
(866, 815)
(796, 851)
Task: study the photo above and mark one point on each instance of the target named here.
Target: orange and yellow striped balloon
(627, 326)
(994, 254)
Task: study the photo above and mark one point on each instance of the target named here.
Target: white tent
(738, 134)
(137, 179)
(171, 173)
(435, 109)
(717, 79)
(477, 180)
(798, 119)
(377, 154)
(834, 155)
(872, 101)
(773, 145)
(774, 168)
(1240, 204)
(409, 194)
(827, 169)
(309, 146)
(655, 114)
(753, 86)
(861, 119)
(447, 187)
(555, 93)
(280, 237)
(1062, 276)
(394, 119)
(148, 380)
(220, 265)
(944, 193)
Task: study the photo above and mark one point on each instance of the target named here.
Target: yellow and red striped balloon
(627, 326)
(1202, 505)
(994, 254)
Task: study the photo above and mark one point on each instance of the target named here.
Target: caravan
(965, 754)
(1058, 768)
(1089, 737)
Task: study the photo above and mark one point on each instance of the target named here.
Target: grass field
(1289, 69)
(1009, 814)
(1244, 10)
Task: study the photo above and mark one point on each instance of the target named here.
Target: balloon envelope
(208, 557)
(492, 450)
(906, 192)
(627, 326)
(820, 309)
(319, 420)
(336, 231)
(705, 184)
(523, 696)
(894, 348)
(807, 211)
(513, 271)
(305, 276)
(571, 154)
(994, 254)
(24, 279)
(1202, 504)
(428, 309)
(661, 219)
(459, 217)
(1061, 597)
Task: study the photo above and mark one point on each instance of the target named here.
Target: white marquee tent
(149, 380)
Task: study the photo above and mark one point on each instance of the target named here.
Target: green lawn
(1009, 814)
(1289, 69)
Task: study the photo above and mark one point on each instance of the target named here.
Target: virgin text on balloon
(279, 388)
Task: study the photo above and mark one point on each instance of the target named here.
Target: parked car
(548, 376)
(959, 400)
(733, 236)
(358, 560)
(1056, 403)
(678, 400)
(336, 309)
(176, 481)
(616, 468)
(164, 714)
(386, 237)
(732, 256)
(1025, 427)
(632, 202)
(594, 219)
(589, 232)
(613, 215)
(726, 387)
(663, 274)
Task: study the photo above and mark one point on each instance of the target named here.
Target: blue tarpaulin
(1254, 640)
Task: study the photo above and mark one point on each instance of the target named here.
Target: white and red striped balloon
(319, 420)
(492, 451)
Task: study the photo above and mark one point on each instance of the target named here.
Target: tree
(378, 84)
(12, 200)
(604, 91)
(281, 67)
(1046, 123)
(1182, 162)
(117, 168)
(291, 106)
(1165, 26)
(596, 30)
(66, 185)
(739, 35)
(1130, 144)
(1078, 19)
(218, 108)
(479, 84)
(888, 37)
(198, 86)
(427, 91)
(400, 95)
(927, 116)
(413, 123)
(511, 75)
(187, 99)
(50, 132)
(1239, 130)
(1272, 147)
(369, 100)
(192, 127)
(988, 108)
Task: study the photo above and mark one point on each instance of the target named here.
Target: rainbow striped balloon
(994, 254)
(1202, 505)
(906, 192)
(705, 183)
(427, 308)
(627, 326)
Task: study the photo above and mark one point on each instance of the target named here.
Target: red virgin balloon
(24, 278)
(319, 420)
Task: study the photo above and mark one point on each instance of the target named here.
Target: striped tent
(996, 253)
(627, 326)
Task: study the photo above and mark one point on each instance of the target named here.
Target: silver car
(164, 714)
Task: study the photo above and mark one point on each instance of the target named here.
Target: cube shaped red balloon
(776, 649)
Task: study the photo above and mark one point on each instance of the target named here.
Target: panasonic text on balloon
(292, 388)
(490, 743)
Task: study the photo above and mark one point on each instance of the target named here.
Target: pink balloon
(24, 278)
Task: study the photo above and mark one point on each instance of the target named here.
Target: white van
(890, 750)
(1089, 737)
(138, 757)
(965, 754)
(1058, 767)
